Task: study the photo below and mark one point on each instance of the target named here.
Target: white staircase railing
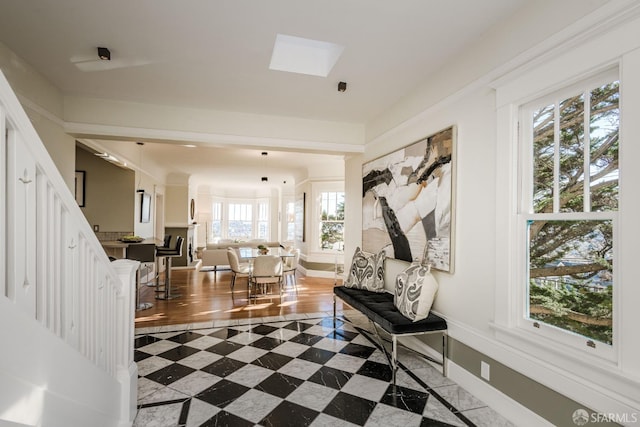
(56, 281)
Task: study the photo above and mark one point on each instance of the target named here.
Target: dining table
(250, 254)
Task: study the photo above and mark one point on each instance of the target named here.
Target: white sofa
(215, 254)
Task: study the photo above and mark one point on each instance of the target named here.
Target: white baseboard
(496, 400)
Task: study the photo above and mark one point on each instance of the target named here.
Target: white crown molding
(212, 139)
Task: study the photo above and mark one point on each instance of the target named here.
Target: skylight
(304, 56)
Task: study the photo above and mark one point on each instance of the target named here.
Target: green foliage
(573, 306)
(567, 300)
(332, 228)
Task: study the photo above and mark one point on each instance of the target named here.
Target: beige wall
(110, 195)
(176, 205)
(43, 103)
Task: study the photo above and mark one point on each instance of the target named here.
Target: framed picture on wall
(300, 206)
(407, 205)
(145, 207)
(79, 187)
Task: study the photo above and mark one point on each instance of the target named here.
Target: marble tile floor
(294, 371)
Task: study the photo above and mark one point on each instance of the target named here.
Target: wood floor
(206, 295)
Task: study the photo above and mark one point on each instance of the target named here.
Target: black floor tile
(224, 334)
(405, 398)
(330, 377)
(266, 343)
(298, 326)
(140, 355)
(185, 337)
(222, 393)
(263, 329)
(225, 347)
(223, 367)
(288, 414)
(428, 422)
(272, 361)
(317, 355)
(379, 371)
(350, 408)
(178, 353)
(357, 350)
(144, 340)
(342, 335)
(280, 385)
(224, 418)
(170, 374)
(306, 339)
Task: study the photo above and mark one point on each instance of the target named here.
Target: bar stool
(166, 242)
(165, 293)
(145, 254)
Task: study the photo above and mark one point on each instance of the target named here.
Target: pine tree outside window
(332, 221)
(569, 204)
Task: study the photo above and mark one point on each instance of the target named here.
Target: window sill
(589, 369)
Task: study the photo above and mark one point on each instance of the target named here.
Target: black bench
(378, 307)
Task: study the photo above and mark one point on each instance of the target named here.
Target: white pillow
(367, 271)
(416, 289)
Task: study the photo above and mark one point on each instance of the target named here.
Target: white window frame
(289, 220)
(511, 322)
(316, 213)
(255, 209)
(525, 213)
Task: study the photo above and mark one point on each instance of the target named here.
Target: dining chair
(290, 267)
(266, 272)
(238, 269)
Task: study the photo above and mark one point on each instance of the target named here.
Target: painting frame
(300, 220)
(145, 207)
(408, 201)
(80, 182)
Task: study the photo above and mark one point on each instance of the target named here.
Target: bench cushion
(379, 307)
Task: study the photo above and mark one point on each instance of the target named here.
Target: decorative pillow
(415, 290)
(367, 271)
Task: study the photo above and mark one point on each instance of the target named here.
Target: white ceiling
(215, 54)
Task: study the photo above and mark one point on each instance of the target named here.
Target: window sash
(525, 213)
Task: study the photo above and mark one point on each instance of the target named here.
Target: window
(332, 220)
(568, 211)
(215, 232)
(240, 221)
(263, 221)
(291, 221)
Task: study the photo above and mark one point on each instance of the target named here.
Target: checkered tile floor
(291, 373)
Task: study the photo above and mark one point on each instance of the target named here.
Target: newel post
(127, 370)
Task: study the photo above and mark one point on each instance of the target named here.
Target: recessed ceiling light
(304, 56)
(189, 145)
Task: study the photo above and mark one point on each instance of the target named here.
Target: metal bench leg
(444, 353)
(334, 311)
(394, 357)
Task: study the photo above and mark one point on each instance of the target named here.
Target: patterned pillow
(367, 271)
(415, 290)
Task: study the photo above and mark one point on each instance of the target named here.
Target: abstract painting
(407, 205)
